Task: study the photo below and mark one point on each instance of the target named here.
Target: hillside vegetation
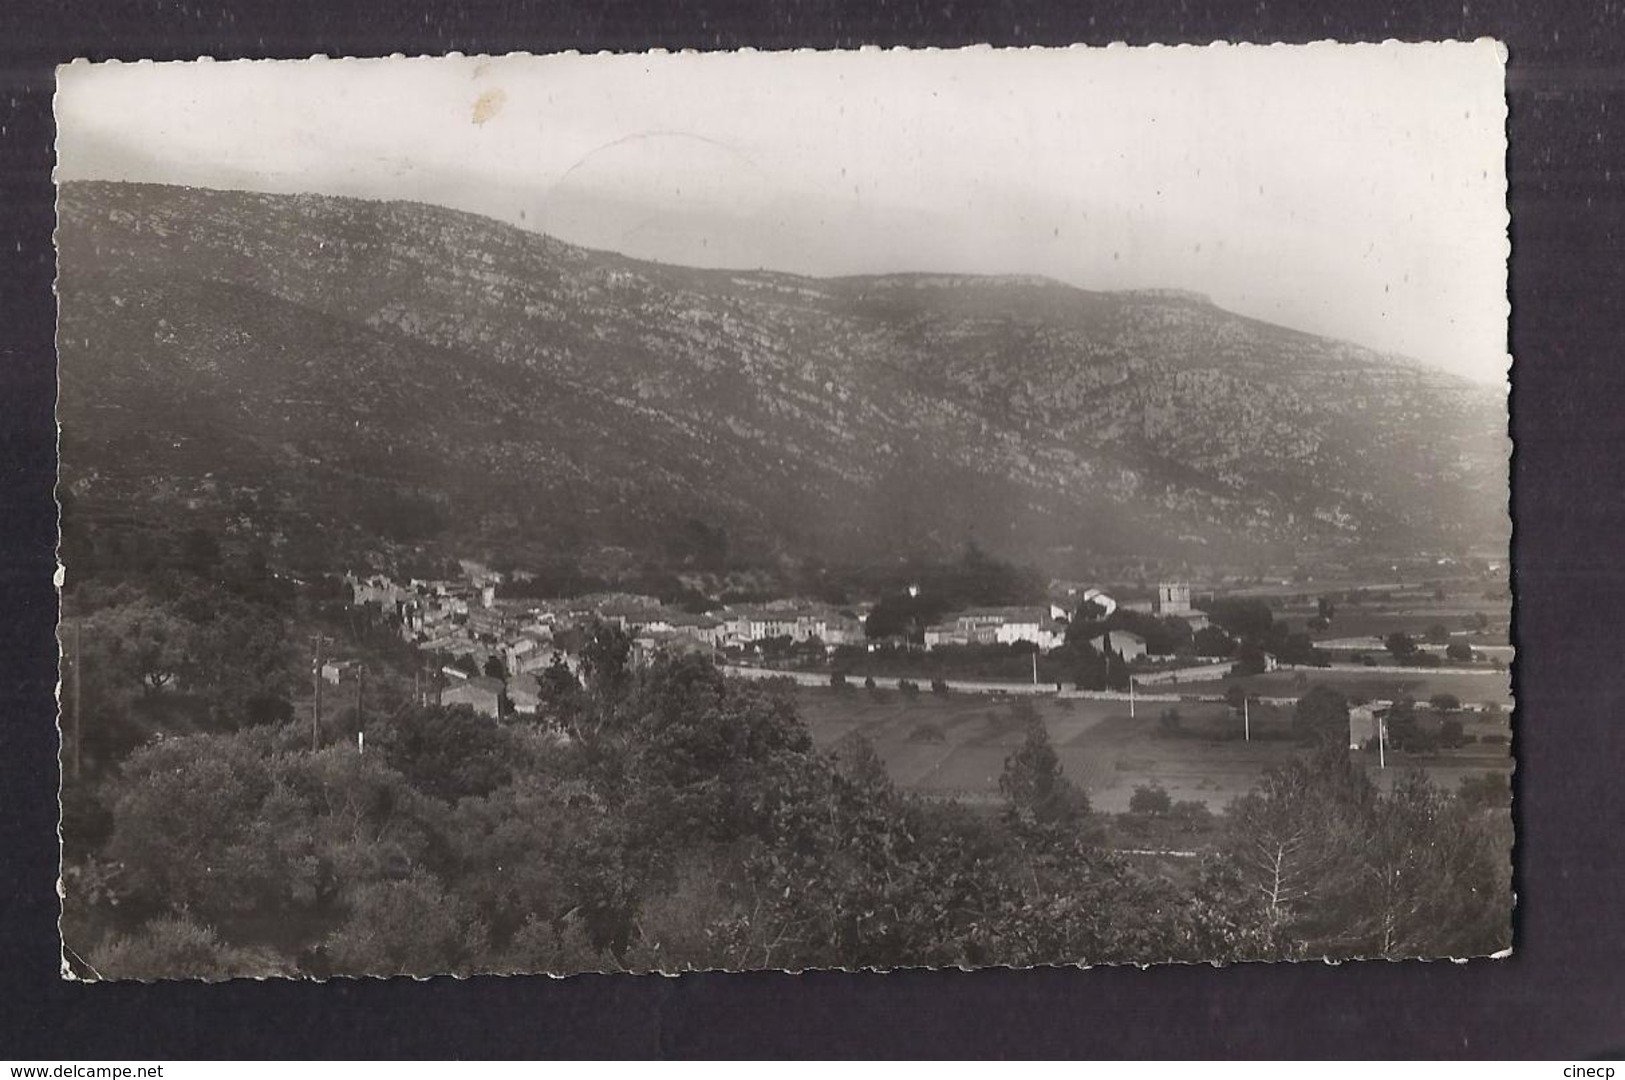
(352, 368)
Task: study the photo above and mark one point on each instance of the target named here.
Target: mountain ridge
(532, 388)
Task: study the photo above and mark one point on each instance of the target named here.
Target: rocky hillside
(418, 372)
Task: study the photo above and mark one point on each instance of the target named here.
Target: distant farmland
(955, 745)
(1488, 687)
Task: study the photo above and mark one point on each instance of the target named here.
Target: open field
(1410, 611)
(1446, 770)
(1100, 747)
(947, 744)
(1377, 622)
(1380, 616)
(955, 745)
(1212, 764)
(1490, 687)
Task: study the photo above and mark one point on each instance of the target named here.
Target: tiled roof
(483, 682)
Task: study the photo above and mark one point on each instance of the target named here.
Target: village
(486, 647)
(492, 652)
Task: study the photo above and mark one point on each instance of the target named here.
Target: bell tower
(1173, 598)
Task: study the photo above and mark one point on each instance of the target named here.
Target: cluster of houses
(738, 627)
(491, 650)
(464, 627)
(1044, 627)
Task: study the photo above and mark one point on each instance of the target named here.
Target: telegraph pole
(360, 715)
(1131, 697)
(316, 697)
(1246, 719)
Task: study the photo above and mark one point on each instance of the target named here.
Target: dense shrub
(407, 927)
(173, 947)
(1151, 800)
(1192, 815)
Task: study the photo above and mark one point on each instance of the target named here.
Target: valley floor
(955, 745)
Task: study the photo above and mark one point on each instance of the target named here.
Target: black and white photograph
(739, 511)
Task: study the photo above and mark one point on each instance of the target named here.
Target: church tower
(1173, 598)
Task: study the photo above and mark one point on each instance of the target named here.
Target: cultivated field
(1486, 688)
(1412, 613)
(955, 745)
(1377, 622)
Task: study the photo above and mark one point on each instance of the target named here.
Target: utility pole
(1131, 697)
(360, 710)
(316, 696)
(78, 701)
(1382, 740)
(1035, 668)
(1246, 719)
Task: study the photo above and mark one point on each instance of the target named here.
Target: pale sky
(1352, 191)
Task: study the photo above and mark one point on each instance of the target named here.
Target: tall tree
(1035, 789)
(1291, 842)
(1400, 645)
(1321, 717)
(605, 661)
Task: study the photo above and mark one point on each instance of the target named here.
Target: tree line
(659, 818)
(671, 818)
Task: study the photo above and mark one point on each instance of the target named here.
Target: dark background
(1561, 995)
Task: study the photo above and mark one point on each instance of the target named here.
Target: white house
(1363, 720)
(334, 670)
(1129, 646)
(705, 629)
(745, 625)
(1106, 603)
(1002, 626)
(1023, 627)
